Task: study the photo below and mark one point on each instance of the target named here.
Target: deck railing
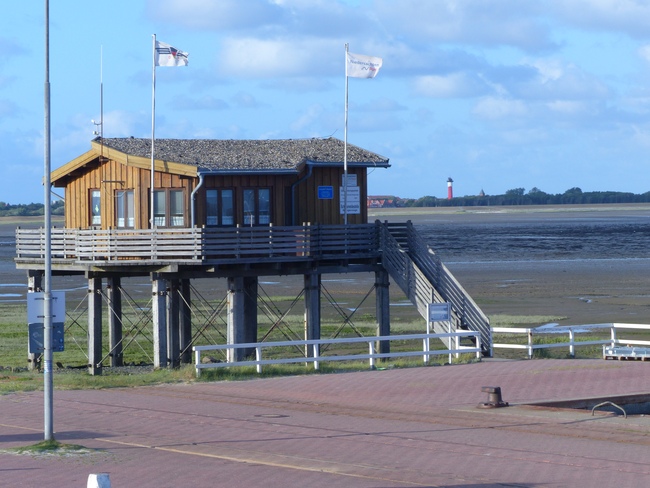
(192, 244)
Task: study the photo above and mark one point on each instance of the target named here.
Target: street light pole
(48, 386)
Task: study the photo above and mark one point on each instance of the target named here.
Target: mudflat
(576, 264)
(581, 264)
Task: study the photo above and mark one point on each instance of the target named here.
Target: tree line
(29, 209)
(516, 196)
(535, 196)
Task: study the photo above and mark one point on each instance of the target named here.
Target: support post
(173, 324)
(159, 316)
(236, 304)
(185, 313)
(250, 312)
(382, 297)
(312, 310)
(94, 326)
(34, 285)
(115, 326)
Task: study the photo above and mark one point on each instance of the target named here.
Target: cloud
(216, 15)
(8, 108)
(260, 58)
(454, 85)
(559, 81)
(206, 102)
(245, 100)
(627, 16)
(308, 118)
(644, 52)
(498, 22)
(499, 108)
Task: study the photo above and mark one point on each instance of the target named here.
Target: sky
(496, 94)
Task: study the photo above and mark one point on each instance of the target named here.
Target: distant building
(381, 202)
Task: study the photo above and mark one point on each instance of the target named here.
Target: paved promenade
(392, 428)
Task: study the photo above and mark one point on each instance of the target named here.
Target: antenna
(99, 126)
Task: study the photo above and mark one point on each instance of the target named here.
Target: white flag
(360, 66)
(167, 55)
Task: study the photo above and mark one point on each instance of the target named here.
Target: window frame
(95, 218)
(166, 217)
(253, 218)
(128, 209)
(220, 217)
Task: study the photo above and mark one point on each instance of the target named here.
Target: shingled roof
(247, 155)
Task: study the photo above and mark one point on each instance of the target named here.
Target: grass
(50, 448)
(70, 365)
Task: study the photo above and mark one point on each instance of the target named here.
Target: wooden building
(235, 210)
(214, 183)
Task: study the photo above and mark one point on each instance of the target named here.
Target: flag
(167, 55)
(360, 66)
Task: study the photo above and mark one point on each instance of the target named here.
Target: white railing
(571, 330)
(316, 358)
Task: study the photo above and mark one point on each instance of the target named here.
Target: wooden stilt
(114, 295)
(94, 326)
(312, 309)
(159, 316)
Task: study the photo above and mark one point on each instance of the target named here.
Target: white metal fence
(315, 347)
(571, 331)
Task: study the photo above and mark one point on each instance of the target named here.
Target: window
(219, 206)
(125, 209)
(169, 208)
(159, 208)
(257, 206)
(95, 207)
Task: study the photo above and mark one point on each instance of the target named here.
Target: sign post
(439, 312)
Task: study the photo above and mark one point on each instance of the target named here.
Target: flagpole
(48, 384)
(345, 144)
(153, 127)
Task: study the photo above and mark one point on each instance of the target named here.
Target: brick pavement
(392, 428)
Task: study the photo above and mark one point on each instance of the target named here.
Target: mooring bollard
(99, 480)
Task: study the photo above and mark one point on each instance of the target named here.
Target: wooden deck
(200, 245)
(269, 250)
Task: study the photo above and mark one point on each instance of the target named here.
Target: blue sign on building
(325, 192)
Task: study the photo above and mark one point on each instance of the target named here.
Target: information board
(439, 312)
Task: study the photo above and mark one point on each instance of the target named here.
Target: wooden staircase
(424, 279)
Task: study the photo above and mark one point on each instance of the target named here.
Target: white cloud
(454, 85)
(215, 15)
(308, 118)
(499, 108)
(644, 52)
(626, 16)
(498, 22)
(245, 100)
(258, 58)
(556, 80)
(567, 107)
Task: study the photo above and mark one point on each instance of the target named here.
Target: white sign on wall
(353, 200)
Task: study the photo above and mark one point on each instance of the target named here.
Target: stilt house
(234, 209)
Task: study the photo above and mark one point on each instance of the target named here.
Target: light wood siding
(110, 177)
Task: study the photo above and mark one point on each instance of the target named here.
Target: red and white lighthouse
(450, 189)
